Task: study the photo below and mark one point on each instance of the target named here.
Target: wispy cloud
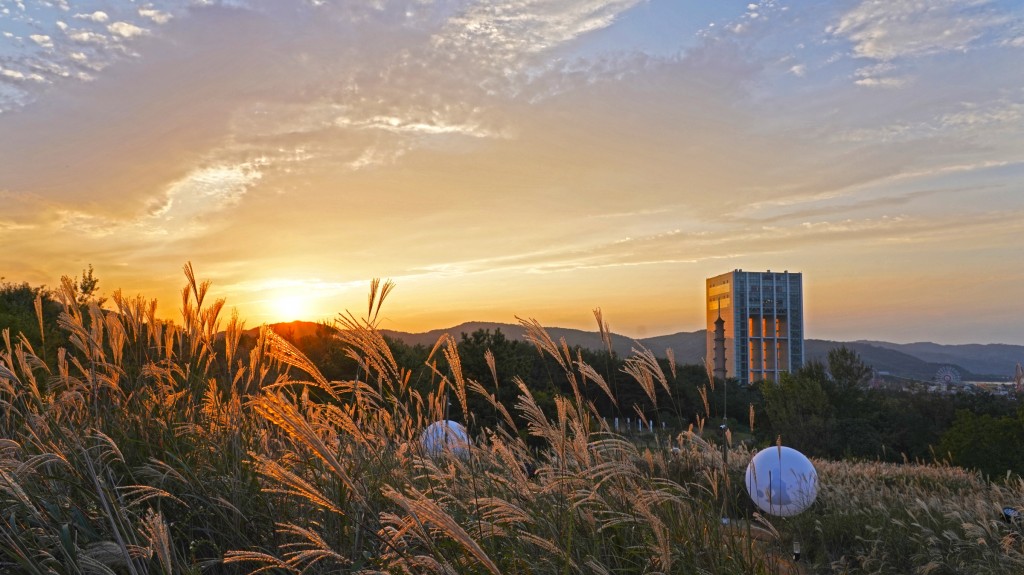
(10, 226)
(906, 28)
(749, 241)
(882, 74)
(473, 56)
(837, 205)
(502, 35)
(999, 114)
(185, 209)
(200, 195)
(430, 127)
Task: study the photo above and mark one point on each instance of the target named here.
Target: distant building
(762, 332)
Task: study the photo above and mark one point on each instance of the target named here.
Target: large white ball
(782, 481)
(445, 434)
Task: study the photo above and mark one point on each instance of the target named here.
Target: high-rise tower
(763, 315)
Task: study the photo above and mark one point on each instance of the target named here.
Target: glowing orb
(781, 481)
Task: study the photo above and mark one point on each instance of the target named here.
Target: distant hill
(916, 360)
(892, 361)
(292, 330)
(983, 359)
(684, 343)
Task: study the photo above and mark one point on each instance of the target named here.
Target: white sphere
(445, 434)
(781, 481)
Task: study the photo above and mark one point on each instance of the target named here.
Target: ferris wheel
(947, 375)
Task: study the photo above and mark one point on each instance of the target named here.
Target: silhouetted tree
(18, 315)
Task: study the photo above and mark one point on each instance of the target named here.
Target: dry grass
(155, 447)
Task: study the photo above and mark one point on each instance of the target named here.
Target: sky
(530, 158)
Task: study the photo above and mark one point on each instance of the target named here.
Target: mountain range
(921, 361)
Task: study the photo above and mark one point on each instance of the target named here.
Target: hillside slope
(994, 358)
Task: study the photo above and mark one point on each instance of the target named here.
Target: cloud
(203, 192)
(886, 30)
(185, 209)
(126, 30)
(86, 224)
(890, 82)
(373, 157)
(155, 15)
(632, 213)
(832, 206)
(441, 79)
(97, 16)
(676, 247)
(12, 226)
(460, 97)
(668, 247)
(502, 35)
(19, 75)
(67, 47)
(43, 40)
(87, 37)
(1000, 114)
(430, 127)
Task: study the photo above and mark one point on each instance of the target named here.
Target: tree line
(825, 409)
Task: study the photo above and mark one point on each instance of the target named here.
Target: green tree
(798, 409)
(512, 359)
(848, 376)
(989, 444)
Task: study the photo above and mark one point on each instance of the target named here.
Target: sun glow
(289, 307)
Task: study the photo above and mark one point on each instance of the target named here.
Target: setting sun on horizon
(520, 159)
(289, 307)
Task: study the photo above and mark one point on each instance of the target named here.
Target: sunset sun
(288, 307)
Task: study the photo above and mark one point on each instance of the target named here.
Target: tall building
(762, 327)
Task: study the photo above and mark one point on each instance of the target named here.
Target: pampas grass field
(155, 447)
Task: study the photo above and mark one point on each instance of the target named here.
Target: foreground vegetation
(134, 445)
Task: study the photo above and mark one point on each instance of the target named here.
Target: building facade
(762, 327)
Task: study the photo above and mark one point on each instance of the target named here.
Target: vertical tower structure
(720, 370)
(763, 315)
